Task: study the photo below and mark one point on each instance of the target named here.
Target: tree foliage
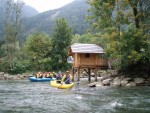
(124, 24)
(11, 27)
(1, 49)
(61, 40)
(88, 38)
(36, 47)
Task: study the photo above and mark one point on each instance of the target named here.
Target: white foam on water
(116, 104)
(78, 97)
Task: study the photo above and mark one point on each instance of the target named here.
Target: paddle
(62, 83)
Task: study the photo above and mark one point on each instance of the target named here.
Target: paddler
(66, 78)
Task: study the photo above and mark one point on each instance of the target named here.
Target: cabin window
(87, 55)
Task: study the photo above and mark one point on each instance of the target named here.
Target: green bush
(18, 67)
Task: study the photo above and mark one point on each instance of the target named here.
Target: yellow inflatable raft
(57, 84)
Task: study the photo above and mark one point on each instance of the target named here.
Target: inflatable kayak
(34, 79)
(57, 84)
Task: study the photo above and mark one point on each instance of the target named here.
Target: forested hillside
(27, 11)
(75, 13)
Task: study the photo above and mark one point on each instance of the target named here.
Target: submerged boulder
(139, 80)
(116, 82)
(107, 82)
(92, 85)
(124, 81)
(131, 84)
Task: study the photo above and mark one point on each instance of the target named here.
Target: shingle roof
(86, 48)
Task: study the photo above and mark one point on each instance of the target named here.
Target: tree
(36, 47)
(88, 38)
(1, 49)
(85, 38)
(60, 43)
(12, 26)
(122, 23)
(125, 11)
(141, 12)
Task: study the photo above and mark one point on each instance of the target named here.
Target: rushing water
(39, 97)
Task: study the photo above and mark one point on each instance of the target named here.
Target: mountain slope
(75, 13)
(27, 11)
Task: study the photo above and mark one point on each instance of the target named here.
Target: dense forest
(40, 42)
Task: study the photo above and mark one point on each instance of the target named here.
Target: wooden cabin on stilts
(89, 57)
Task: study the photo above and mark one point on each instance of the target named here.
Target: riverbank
(6, 76)
(113, 78)
(106, 78)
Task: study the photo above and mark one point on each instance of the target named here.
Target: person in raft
(54, 74)
(59, 76)
(66, 78)
(39, 75)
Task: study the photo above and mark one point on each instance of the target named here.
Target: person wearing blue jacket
(59, 76)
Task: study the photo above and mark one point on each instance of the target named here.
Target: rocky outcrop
(124, 81)
(139, 81)
(116, 81)
(112, 78)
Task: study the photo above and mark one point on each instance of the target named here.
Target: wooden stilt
(78, 74)
(72, 74)
(96, 74)
(89, 74)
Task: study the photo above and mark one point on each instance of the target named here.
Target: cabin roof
(86, 48)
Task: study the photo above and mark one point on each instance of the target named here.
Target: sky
(45, 5)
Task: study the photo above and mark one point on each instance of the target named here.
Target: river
(23, 96)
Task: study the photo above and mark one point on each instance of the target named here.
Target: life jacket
(67, 79)
(51, 75)
(47, 75)
(37, 75)
(40, 76)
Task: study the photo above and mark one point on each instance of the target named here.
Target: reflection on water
(32, 97)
